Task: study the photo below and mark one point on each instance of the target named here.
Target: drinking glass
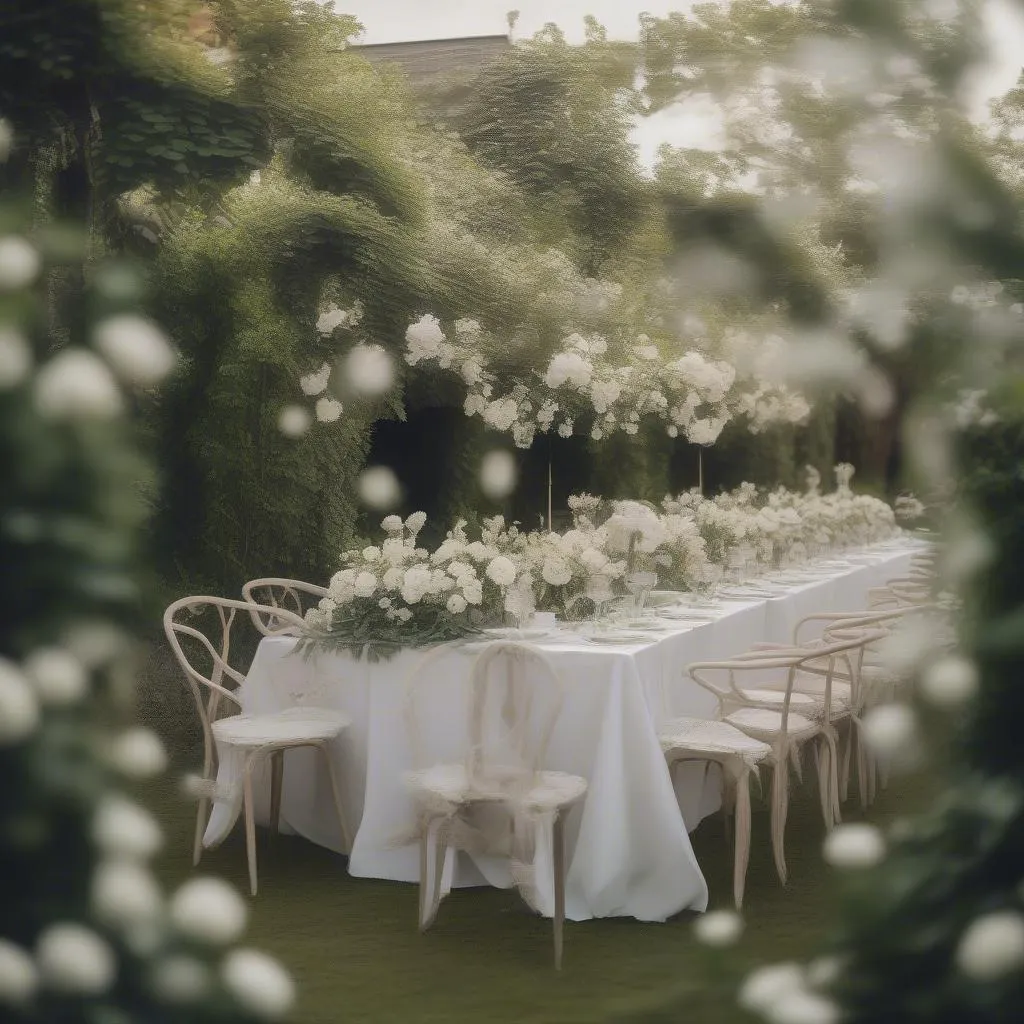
(640, 585)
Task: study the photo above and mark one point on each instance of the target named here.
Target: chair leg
(741, 856)
(558, 856)
(845, 763)
(440, 852)
(276, 782)
(780, 808)
(250, 825)
(202, 812)
(424, 870)
(346, 835)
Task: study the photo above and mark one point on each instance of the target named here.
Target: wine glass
(640, 585)
(706, 583)
(599, 591)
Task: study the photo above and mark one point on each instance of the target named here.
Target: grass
(357, 956)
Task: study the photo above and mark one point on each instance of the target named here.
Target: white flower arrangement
(395, 594)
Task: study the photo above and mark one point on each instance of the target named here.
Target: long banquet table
(628, 848)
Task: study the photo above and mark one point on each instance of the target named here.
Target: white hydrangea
(416, 522)
(369, 370)
(568, 368)
(330, 319)
(456, 604)
(502, 571)
(365, 584)
(423, 339)
(556, 571)
(328, 410)
(316, 383)
(209, 911)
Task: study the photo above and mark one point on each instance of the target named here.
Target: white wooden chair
(497, 798)
(738, 755)
(258, 736)
(783, 728)
(274, 592)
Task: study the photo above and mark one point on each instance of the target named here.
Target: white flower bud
(992, 946)
(19, 708)
(18, 976)
(136, 348)
(718, 928)
(891, 731)
(856, 845)
(74, 960)
(76, 384)
(802, 1007)
(258, 983)
(208, 910)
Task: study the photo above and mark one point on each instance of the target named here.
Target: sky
(693, 124)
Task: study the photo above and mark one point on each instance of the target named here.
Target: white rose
(502, 571)
(365, 584)
(456, 604)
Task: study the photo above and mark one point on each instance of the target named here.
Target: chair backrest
(197, 648)
(272, 592)
(511, 698)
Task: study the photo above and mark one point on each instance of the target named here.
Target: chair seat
(811, 685)
(450, 784)
(762, 723)
(293, 726)
(803, 703)
(713, 738)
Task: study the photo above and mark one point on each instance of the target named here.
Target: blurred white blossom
(294, 420)
(136, 348)
(369, 370)
(766, 986)
(19, 263)
(19, 978)
(718, 928)
(498, 473)
(15, 358)
(208, 910)
(316, 383)
(180, 979)
(328, 410)
(74, 960)
(76, 384)
(121, 828)
(259, 983)
(19, 707)
(992, 946)
(856, 845)
(950, 681)
(125, 894)
(58, 676)
(379, 488)
(138, 753)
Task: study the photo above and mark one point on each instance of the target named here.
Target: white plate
(618, 639)
(511, 633)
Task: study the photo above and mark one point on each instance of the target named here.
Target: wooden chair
(259, 737)
(500, 794)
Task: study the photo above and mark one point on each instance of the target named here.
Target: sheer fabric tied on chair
(251, 738)
(497, 799)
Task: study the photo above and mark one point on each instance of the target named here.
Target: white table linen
(628, 849)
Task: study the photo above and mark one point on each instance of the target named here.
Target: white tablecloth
(628, 849)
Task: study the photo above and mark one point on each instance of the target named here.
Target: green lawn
(357, 955)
